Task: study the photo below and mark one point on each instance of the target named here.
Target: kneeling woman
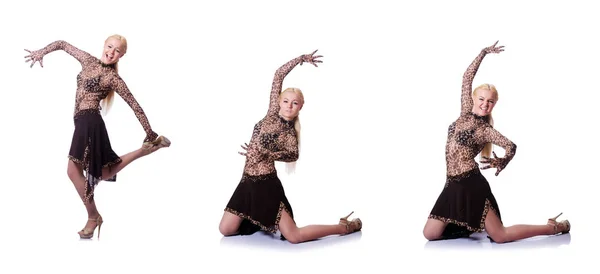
(467, 204)
(259, 201)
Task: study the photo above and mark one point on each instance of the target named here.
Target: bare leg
(434, 229)
(126, 160)
(75, 172)
(501, 234)
(296, 235)
(230, 223)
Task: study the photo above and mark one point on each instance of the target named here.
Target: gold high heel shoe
(560, 227)
(352, 226)
(86, 234)
(161, 141)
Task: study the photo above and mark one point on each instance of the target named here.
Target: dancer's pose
(466, 204)
(259, 201)
(91, 151)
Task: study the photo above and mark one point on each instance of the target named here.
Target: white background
(373, 130)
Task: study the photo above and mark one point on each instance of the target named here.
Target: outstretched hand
(253, 153)
(494, 49)
(34, 56)
(311, 58)
(496, 162)
(245, 147)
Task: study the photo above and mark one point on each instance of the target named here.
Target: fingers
(313, 53)
(498, 49)
(485, 167)
(33, 61)
(314, 58)
(494, 153)
(314, 62)
(495, 48)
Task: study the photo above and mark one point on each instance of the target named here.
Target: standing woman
(259, 201)
(91, 151)
(466, 204)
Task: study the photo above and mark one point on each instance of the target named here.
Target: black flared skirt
(464, 204)
(259, 201)
(91, 149)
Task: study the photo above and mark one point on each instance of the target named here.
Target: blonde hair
(106, 103)
(291, 166)
(487, 149)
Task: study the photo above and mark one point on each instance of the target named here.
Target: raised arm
(282, 72)
(38, 55)
(120, 88)
(467, 83)
(489, 135)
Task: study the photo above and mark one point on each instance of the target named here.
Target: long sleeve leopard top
(95, 81)
(470, 132)
(273, 138)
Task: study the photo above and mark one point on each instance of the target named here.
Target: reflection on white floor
(481, 240)
(273, 242)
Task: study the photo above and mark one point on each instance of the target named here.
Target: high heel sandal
(559, 227)
(86, 234)
(352, 226)
(161, 141)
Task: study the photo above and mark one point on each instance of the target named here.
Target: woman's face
(113, 51)
(290, 104)
(484, 101)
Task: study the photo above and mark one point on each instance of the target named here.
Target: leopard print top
(470, 132)
(95, 81)
(273, 137)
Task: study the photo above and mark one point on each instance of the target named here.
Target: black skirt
(259, 201)
(91, 149)
(464, 204)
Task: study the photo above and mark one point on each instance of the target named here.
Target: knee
(226, 229)
(431, 235)
(72, 171)
(292, 238)
(291, 234)
(498, 236)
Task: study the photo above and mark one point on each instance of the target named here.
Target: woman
(91, 151)
(467, 205)
(259, 201)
